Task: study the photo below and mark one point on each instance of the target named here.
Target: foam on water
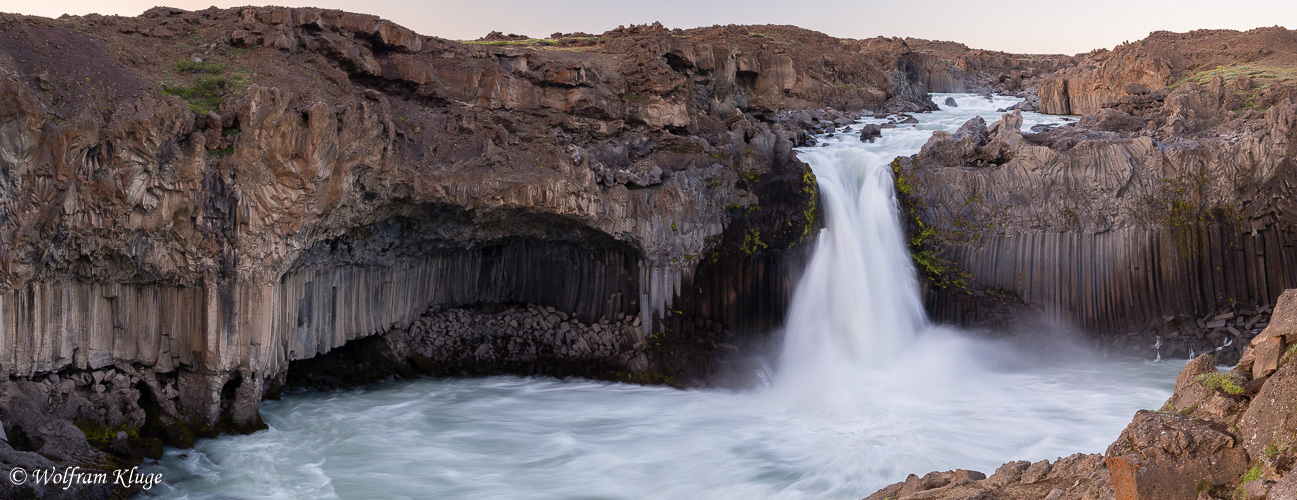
(865, 392)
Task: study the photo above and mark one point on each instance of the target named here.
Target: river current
(863, 393)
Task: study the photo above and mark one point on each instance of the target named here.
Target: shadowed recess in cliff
(388, 273)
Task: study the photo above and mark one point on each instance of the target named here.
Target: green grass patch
(1253, 474)
(634, 98)
(102, 437)
(208, 87)
(530, 42)
(1220, 382)
(752, 242)
(1262, 73)
(189, 66)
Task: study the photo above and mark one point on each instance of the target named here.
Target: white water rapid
(865, 393)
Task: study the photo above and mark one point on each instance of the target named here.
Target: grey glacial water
(865, 392)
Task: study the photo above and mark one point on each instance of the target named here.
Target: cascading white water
(866, 393)
(858, 301)
(858, 306)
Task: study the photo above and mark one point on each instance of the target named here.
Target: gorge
(202, 210)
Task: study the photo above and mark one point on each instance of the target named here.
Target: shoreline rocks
(1218, 436)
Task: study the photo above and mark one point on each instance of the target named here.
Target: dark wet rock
(950, 101)
(971, 136)
(870, 132)
(1113, 120)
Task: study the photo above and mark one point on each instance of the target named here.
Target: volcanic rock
(870, 132)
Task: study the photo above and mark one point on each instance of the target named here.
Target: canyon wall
(1168, 60)
(1132, 224)
(953, 67)
(194, 203)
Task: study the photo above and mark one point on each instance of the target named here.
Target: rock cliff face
(194, 203)
(953, 67)
(1164, 59)
(1141, 223)
(1220, 435)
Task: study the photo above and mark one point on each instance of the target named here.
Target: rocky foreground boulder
(1220, 436)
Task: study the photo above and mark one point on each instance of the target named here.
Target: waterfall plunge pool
(865, 393)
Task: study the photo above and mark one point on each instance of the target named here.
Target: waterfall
(866, 393)
(858, 307)
(858, 302)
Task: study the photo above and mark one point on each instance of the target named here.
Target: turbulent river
(864, 392)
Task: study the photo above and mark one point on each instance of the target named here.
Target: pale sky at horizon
(1021, 26)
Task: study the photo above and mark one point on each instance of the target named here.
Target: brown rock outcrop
(1163, 455)
(954, 67)
(1104, 78)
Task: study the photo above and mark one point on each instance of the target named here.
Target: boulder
(870, 132)
(1267, 353)
(1035, 472)
(1285, 489)
(970, 136)
(1113, 120)
(1135, 88)
(1269, 419)
(1255, 489)
(1161, 455)
(1283, 321)
(950, 101)
(1189, 391)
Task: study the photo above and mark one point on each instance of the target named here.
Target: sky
(1021, 26)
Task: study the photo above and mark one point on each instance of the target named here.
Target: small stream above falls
(865, 392)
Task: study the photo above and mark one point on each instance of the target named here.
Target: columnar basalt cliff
(1143, 222)
(197, 208)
